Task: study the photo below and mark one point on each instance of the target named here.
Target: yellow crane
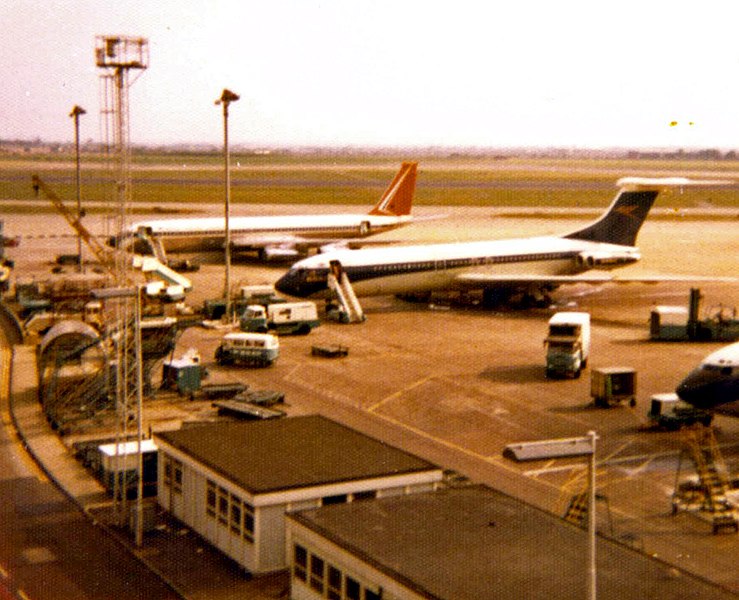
(103, 254)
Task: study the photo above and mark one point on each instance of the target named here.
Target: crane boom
(103, 254)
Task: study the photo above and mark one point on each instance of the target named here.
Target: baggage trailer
(611, 386)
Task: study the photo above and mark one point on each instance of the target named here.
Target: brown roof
(474, 542)
(294, 452)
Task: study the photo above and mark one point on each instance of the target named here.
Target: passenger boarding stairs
(338, 282)
(713, 476)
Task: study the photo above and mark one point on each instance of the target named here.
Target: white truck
(296, 318)
(567, 344)
(251, 349)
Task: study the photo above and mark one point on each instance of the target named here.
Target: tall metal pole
(139, 418)
(75, 114)
(592, 578)
(227, 96)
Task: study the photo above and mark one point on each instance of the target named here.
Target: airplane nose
(702, 388)
(287, 284)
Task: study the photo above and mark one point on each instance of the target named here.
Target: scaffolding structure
(118, 57)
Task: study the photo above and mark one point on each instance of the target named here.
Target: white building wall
(349, 565)
(266, 553)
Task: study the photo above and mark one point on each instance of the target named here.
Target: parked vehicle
(610, 386)
(297, 318)
(251, 349)
(567, 344)
(667, 411)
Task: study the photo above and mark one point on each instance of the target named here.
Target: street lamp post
(227, 96)
(563, 448)
(75, 114)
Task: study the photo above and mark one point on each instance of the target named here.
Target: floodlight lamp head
(227, 96)
(77, 110)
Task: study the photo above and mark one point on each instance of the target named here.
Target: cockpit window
(722, 369)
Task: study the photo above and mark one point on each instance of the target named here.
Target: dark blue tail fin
(621, 223)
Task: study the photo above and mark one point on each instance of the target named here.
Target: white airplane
(278, 237)
(500, 268)
(715, 382)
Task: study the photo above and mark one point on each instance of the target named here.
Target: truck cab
(288, 318)
(567, 344)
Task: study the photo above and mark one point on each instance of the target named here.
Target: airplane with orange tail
(278, 236)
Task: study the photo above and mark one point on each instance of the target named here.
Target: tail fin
(398, 197)
(623, 220)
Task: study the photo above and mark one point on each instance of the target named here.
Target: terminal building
(233, 483)
(465, 543)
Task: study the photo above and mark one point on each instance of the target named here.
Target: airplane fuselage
(193, 235)
(453, 266)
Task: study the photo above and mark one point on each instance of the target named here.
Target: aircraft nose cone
(704, 388)
(288, 284)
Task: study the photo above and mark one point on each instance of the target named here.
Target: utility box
(183, 374)
(610, 386)
(567, 344)
(121, 461)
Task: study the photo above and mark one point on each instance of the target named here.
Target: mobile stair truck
(567, 344)
(251, 349)
(289, 318)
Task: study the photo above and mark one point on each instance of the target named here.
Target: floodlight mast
(77, 111)
(227, 96)
(118, 55)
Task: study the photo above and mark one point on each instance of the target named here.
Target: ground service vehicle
(613, 385)
(567, 344)
(667, 411)
(288, 318)
(251, 349)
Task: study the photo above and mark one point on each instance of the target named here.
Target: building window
(338, 499)
(248, 530)
(317, 570)
(173, 474)
(236, 516)
(370, 495)
(328, 580)
(353, 589)
(300, 563)
(210, 499)
(334, 583)
(222, 506)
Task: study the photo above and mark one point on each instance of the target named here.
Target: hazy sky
(488, 73)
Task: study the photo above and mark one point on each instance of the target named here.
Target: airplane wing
(290, 245)
(594, 278)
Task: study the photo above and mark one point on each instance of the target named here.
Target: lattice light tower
(118, 56)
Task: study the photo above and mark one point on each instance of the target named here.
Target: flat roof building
(234, 482)
(465, 543)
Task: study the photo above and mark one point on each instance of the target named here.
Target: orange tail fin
(398, 197)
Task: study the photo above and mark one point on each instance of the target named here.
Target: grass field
(173, 181)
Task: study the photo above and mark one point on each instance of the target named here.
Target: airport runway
(455, 385)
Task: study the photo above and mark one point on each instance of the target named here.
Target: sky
(489, 73)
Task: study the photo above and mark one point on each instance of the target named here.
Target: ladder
(338, 282)
(577, 510)
(713, 475)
